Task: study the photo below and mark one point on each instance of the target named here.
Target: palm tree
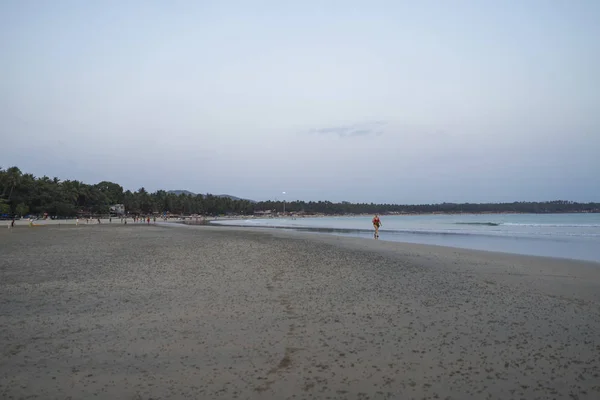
(14, 175)
(70, 191)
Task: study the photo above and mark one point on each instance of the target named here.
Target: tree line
(23, 194)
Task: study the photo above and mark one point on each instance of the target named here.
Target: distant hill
(187, 192)
(233, 197)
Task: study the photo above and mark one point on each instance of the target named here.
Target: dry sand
(139, 312)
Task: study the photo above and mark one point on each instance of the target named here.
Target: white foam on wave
(552, 225)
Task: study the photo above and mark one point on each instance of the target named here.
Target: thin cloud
(360, 132)
(359, 129)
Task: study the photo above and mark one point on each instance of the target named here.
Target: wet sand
(139, 312)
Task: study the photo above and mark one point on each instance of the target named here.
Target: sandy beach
(116, 311)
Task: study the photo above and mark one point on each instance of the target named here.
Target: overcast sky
(371, 101)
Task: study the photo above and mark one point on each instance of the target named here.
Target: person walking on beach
(376, 224)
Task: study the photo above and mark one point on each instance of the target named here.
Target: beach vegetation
(22, 193)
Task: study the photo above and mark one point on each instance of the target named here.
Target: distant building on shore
(263, 213)
(118, 209)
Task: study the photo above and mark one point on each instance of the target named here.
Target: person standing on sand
(376, 224)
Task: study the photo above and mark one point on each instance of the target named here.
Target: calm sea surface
(575, 236)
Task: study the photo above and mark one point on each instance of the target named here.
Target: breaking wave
(553, 225)
(479, 223)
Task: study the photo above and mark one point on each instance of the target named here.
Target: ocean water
(574, 236)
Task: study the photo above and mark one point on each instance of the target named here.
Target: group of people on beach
(123, 220)
(142, 219)
(87, 220)
(376, 222)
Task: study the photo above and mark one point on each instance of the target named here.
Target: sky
(363, 101)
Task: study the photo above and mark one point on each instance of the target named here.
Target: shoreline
(390, 245)
(481, 242)
(563, 248)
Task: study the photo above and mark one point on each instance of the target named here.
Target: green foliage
(4, 207)
(22, 209)
(23, 193)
